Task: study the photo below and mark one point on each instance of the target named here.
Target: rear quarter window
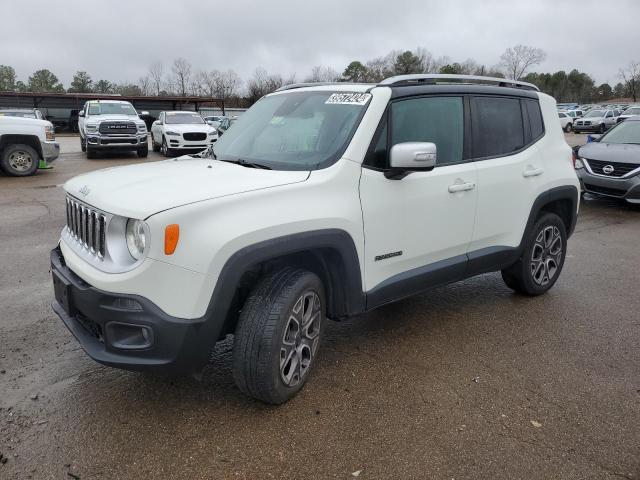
(535, 119)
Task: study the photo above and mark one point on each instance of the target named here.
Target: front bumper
(126, 331)
(50, 151)
(179, 143)
(623, 188)
(96, 140)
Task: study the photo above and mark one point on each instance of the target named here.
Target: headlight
(577, 164)
(49, 133)
(169, 132)
(142, 128)
(136, 238)
(213, 133)
(92, 128)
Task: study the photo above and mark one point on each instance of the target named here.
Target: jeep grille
(87, 226)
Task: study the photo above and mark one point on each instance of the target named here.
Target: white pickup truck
(23, 143)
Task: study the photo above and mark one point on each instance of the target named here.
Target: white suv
(321, 202)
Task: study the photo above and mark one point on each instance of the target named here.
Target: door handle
(461, 187)
(532, 172)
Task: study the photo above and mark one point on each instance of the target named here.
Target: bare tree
(261, 83)
(156, 76)
(145, 84)
(517, 60)
(630, 75)
(181, 76)
(227, 84)
(321, 74)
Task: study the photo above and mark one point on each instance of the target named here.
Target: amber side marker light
(171, 236)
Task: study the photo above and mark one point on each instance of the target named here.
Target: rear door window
(497, 126)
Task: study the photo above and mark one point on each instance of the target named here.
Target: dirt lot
(467, 381)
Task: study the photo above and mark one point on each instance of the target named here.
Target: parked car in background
(575, 114)
(597, 120)
(628, 113)
(214, 120)
(24, 142)
(22, 112)
(181, 131)
(225, 123)
(111, 125)
(610, 165)
(320, 202)
(566, 121)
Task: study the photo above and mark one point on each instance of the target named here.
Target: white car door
(417, 229)
(510, 169)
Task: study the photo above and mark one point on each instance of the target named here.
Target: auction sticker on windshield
(348, 98)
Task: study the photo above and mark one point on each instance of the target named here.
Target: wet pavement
(468, 381)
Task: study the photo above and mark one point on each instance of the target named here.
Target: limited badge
(348, 98)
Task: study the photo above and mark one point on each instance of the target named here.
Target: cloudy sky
(117, 39)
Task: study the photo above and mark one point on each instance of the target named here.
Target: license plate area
(63, 293)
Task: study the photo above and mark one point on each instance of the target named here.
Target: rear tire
(542, 259)
(19, 160)
(278, 335)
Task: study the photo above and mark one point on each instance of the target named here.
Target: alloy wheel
(300, 338)
(546, 255)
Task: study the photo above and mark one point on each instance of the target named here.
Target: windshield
(18, 114)
(111, 109)
(625, 132)
(595, 113)
(294, 130)
(632, 111)
(174, 118)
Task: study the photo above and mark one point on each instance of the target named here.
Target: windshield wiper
(244, 163)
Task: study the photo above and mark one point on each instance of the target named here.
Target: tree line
(182, 79)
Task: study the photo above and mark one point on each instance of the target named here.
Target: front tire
(83, 144)
(166, 151)
(278, 335)
(568, 128)
(143, 152)
(539, 267)
(91, 152)
(19, 160)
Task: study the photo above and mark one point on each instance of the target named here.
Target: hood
(189, 127)
(138, 191)
(611, 152)
(24, 121)
(113, 118)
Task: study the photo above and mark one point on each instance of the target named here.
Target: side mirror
(411, 157)
(81, 113)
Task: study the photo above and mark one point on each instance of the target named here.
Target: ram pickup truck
(111, 125)
(23, 143)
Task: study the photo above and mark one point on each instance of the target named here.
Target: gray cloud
(117, 40)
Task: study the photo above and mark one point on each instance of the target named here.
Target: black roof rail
(433, 78)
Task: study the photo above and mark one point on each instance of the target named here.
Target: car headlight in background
(92, 128)
(49, 133)
(136, 238)
(169, 132)
(142, 128)
(213, 133)
(577, 163)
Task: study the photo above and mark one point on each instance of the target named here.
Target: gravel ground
(468, 381)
